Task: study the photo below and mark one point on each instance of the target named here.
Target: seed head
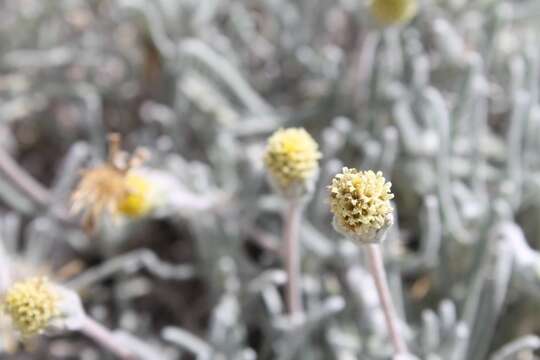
(112, 188)
(360, 202)
(292, 158)
(31, 304)
(391, 12)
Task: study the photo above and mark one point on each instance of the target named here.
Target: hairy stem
(291, 253)
(381, 283)
(104, 337)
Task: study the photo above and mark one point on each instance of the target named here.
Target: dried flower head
(360, 201)
(291, 157)
(390, 12)
(31, 304)
(113, 187)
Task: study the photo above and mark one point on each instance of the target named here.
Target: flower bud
(292, 159)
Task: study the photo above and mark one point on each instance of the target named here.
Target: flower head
(31, 304)
(292, 158)
(136, 202)
(360, 201)
(389, 12)
(112, 188)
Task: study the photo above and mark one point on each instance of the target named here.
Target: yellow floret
(360, 200)
(31, 304)
(291, 156)
(390, 12)
(136, 202)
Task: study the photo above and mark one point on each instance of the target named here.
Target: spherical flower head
(360, 202)
(292, 159)
(32, 304)
(392, 12)
(112, 188)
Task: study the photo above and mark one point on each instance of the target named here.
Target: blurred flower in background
(394, 11)
(113, 188)
(292, 160)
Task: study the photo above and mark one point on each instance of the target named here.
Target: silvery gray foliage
(446, 106)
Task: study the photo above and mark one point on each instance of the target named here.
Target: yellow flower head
(136, 203)
(390, 12)
(31, 304)
(360, 201)
(112, 188)
(292, 156)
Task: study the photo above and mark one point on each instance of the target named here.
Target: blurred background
(443, 99)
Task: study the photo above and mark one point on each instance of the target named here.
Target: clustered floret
(292, 156)
(360, 201)
(31, 304)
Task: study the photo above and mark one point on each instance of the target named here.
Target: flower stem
(379, 277)
(291, 253)
(104, 337)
